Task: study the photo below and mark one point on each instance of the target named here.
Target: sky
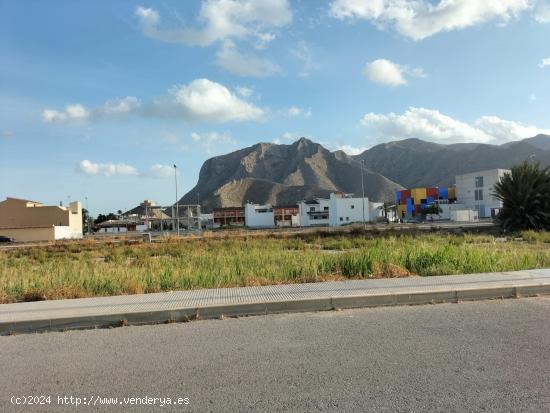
(99, 99)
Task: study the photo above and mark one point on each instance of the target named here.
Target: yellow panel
(452, 193)
(418, 194)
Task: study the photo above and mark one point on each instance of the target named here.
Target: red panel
(404, 195)
(433, 192)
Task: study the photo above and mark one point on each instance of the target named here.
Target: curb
(185, 314)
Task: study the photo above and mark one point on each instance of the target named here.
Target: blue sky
(98, 99)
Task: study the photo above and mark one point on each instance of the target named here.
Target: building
(115, 226)
(287, 215)
(314, 212)
(475, 191)
(206, 221)
(229, 216)
(257, 216)
(411, 202)
(27, 220)
(345, 209)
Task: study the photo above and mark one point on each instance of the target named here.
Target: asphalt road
(479, 356)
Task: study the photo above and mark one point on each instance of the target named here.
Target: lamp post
(177, 206)
(363, 191)
(87, 216)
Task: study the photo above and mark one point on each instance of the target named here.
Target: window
(341, 218)
(479, 181)
(325, 209)
(479, 195)
(311, 209)
(347, 218)
(353, 207)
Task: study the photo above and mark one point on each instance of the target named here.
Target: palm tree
(525, 196)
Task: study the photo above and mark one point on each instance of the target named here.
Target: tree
(525, 197)
(102, 218)
(432, 209)
(87, 220)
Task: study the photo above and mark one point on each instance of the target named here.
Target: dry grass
(83, 269)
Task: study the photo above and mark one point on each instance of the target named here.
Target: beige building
(27, 220)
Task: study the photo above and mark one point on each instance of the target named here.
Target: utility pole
(363, 190)
(177, 206)
(87, 217)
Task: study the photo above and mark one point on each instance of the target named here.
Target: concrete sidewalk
(214, 303)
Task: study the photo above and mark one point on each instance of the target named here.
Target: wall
(347, 210)
(254, 218)
(463, 215)
(30, 234)
(20, 213)
(309, 220)
(67, 233)
(466, 186)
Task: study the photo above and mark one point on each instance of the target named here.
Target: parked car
(6, 239)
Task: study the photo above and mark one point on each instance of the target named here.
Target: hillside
(282, 174)
(413, 162)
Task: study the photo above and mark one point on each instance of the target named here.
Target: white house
(345, 209)
(474, 190)
(257, 216)
(314, 212)
(115, 226)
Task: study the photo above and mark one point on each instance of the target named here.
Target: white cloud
(532, 97)
(213, 142)
(119, 106)
(106, 169)
(244, 64)
(220, 20)
(111, 108)
(544, 63)
(434, 126)
(244, 91)
(295, 111)
(418, 19)
(505, 130)
(542, 13)
(203, 99)
(161, 171)
(350, 150)
(71, 112)
(304, 54)
(200, 100)
(386, 72)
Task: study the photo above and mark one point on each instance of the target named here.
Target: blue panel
(443, 193)
(410, 206)
(398, 197)
(430, 200)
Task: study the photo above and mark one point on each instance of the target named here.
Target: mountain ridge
(284, 174)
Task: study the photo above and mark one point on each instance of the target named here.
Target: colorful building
(411, 202)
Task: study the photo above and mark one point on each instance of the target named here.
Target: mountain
(540, 142)
(416, 163)
(283, 174)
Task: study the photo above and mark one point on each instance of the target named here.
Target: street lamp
(363, 190)
(87, 216)
(177, 206)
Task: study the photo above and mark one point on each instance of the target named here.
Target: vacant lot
(83, 269)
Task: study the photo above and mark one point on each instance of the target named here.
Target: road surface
(477, 356)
